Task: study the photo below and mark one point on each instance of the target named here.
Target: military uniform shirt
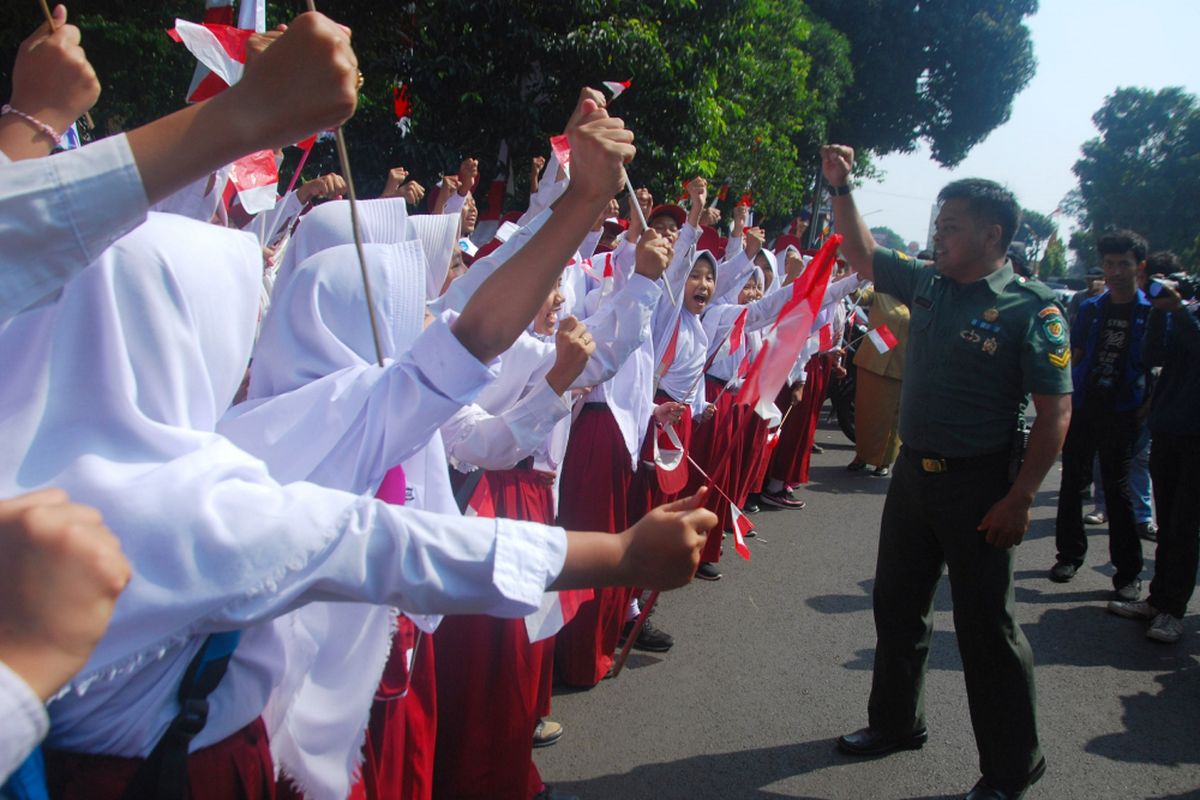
(974, 352)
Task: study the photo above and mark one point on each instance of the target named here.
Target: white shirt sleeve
(475, 438)
(346, 430)
(418, 561)
(618, 328)
(25, 721)
(57, 214)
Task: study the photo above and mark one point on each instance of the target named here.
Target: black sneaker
(1063, 571)
(1148, 531)
(650, 639)
(784, 499)
(752, 506)
(707, 572)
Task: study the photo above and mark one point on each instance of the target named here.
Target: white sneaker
(1138, 609)
(1165, 628)
(1130, 591)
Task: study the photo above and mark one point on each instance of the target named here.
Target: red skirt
(398, 753)
(238, 767)
(594, 496)
(716, 450)
(791, 458)
(501, 681)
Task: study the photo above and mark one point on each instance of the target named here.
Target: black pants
(1111, 436)
(1175, 471)
(930, 521)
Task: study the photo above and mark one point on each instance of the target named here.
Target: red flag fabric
(723, 192)
(746, 200)
(668, 356)
(256, 179)
(670, 466)
(741, 526)
(825, 338)
(737, 332)
(562, 149)
(221, 51)
(783, 342)
(883, 339)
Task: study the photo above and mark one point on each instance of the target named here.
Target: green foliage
(888, 238)
(736, 90)
(944, 72)
(1054, 261)
(1142, 172)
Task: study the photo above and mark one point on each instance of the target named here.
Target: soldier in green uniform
(981, 340)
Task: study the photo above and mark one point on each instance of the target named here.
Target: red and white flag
(221, 51)
(741, 526)
(255, 178)
(481, 503)
(883, 339)
(556, 610)
(402, 108)
(782, 344)
(737, 333)
(670, 461)
(617, 87)
(562, 151)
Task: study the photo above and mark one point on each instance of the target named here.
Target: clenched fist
(61, 570)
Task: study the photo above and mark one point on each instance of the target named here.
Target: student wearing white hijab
(155, 337)
(58, 214)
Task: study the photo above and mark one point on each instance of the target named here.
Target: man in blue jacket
(1107, 411)
(1172, 342)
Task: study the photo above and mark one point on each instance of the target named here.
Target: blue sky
(1086, 49)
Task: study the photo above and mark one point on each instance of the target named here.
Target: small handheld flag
(883, 339)
(617, 87)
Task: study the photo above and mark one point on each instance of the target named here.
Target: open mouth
(700, 298)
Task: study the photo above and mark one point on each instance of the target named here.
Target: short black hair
(1115, 243)
(1164, 262)
(989, 202)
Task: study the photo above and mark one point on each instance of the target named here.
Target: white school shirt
(718, 320)
(59, 213)
(25, 721)
(517, 413)
(156, 335)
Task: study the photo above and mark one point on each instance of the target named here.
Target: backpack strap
(164, 774)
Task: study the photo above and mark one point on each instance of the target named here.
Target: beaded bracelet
(32, 120)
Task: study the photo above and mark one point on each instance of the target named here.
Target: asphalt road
(773, 662)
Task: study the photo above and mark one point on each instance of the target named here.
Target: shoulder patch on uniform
(1049, 311)
(1060, 360)
(1055, 330)
(903, 256)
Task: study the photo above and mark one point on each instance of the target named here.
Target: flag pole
(352, 196)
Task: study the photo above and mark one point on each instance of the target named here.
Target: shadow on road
(744, 775)
(1159, 728)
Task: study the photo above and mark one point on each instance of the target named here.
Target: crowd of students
(278, 481)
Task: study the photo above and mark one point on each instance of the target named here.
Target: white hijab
(438, 234)
(113, 393)
(328, 225)
(314, 415)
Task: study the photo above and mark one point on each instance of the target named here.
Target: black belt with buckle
(934, 464)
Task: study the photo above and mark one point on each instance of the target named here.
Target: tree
(1142, 172)
(1054, 262)
(941, 72)
(1035, 230)
(886, 237)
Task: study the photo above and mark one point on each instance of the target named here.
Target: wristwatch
(839, 191)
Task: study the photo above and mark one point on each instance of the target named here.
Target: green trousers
(929, 521)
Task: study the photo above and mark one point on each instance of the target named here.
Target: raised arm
(508, 300)
(858, 245)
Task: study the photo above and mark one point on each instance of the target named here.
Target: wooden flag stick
(352, 196)
(49, 16)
